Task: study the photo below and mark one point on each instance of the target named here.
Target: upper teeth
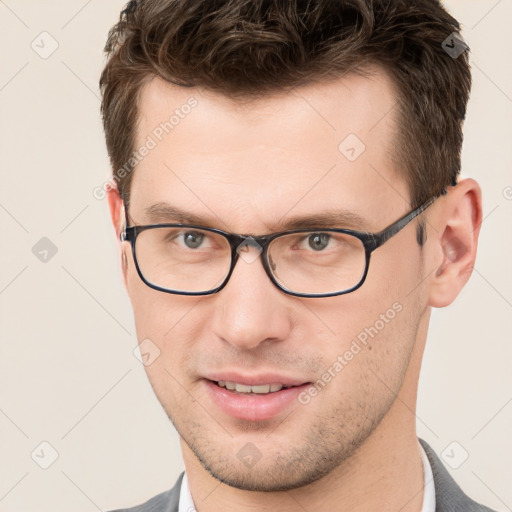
(243, 388)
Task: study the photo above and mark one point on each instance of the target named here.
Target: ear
(456, 238)
(117, 214)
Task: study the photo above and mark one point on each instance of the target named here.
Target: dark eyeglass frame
(371, 241)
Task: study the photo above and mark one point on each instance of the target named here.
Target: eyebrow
(166, 213)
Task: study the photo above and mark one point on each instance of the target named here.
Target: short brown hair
(250, 48)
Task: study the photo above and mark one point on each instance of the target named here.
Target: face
(249, 168)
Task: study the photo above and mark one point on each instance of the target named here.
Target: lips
(253, 398)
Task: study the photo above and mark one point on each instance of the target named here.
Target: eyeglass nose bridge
(241, 246)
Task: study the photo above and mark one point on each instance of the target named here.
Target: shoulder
(164, 502)
(449, 496)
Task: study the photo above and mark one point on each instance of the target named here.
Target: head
(246, 115)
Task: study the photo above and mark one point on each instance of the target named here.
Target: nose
(250, 309)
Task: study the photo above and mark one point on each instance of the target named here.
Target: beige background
(68, 375)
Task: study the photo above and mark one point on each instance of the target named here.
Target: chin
(271, 478)
(278, 470)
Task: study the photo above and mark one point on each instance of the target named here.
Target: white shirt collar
(429, 492)
(186, 503)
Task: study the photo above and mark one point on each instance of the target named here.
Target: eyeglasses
(187, 259)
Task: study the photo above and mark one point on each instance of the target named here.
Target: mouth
(261, 389)
(254, 399)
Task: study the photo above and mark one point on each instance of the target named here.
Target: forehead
(314, 146)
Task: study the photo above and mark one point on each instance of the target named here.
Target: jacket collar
(449, 496)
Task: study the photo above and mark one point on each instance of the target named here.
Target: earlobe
(458, 227)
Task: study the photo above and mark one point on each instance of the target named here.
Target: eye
(187, 240)
(318, 241)
(193, 239)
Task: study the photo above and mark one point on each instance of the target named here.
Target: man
(287, 201)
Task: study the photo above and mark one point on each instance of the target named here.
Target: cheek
(367, 371)
(155, 312)
(163, 323)
(163, 329)
(370, 333)
(387, 303)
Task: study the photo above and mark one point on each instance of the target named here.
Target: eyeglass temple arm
(392, 230)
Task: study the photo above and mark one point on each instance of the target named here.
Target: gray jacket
(449, 496)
